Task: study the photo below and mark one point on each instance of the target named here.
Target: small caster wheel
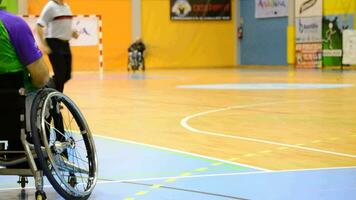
(40, 195)
(22, 181)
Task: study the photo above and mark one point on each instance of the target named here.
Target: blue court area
(132, 171)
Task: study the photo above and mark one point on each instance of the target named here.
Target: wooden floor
(275, 129)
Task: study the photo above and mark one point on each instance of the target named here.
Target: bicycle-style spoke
(57, 131)
(76, 157)
(81, 175)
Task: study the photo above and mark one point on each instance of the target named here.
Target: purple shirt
(21, 38)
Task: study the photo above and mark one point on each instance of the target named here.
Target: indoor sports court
(239, 99)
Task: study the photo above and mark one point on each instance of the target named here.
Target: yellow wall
(186, 43)
(334, 7)
(116, 16)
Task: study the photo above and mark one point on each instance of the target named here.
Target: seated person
(21, 68)
(138, 46)
(21, 62)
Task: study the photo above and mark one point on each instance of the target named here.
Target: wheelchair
(136, 61)
(45, 134)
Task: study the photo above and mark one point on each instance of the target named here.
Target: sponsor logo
(307, 27)
(307, 5)
(181, 8)
(271, 3)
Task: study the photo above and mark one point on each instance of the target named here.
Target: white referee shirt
(57, 20)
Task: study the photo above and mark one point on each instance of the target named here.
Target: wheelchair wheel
(22, 181)
(63, 144)
(143, 64)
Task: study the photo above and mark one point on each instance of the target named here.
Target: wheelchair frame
(133, 62)
(45, 156)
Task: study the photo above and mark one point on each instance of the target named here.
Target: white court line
(182, 152)
(185, 124)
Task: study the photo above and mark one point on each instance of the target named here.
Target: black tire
(57, 145)
(22, 181)
(128, 64)
(143, 64)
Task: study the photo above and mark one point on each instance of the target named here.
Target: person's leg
(68, 67)
(58, 64)
(60, 61)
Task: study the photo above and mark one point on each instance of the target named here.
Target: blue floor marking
(119, 160)
(307, 185)
(132, 161)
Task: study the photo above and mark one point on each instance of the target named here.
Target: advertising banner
(200, 9)
(308, 8)
(87, 27)
(349, 47)
(309, 55)
(271, 8)
(333, 26)
(308, 29)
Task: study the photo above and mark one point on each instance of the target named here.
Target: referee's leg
(68, 69)
(59, 69)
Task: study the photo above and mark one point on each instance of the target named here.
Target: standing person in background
(54, 30)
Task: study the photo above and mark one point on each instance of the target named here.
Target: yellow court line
(140, 193)
(217, 164)
(202, 169)
(186, 174)
(156, 186)
(170, 180)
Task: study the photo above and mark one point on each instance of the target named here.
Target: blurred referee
(54, 30)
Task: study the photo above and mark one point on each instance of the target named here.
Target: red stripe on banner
(63, 17)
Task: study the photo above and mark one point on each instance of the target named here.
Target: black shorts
(12, 80)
